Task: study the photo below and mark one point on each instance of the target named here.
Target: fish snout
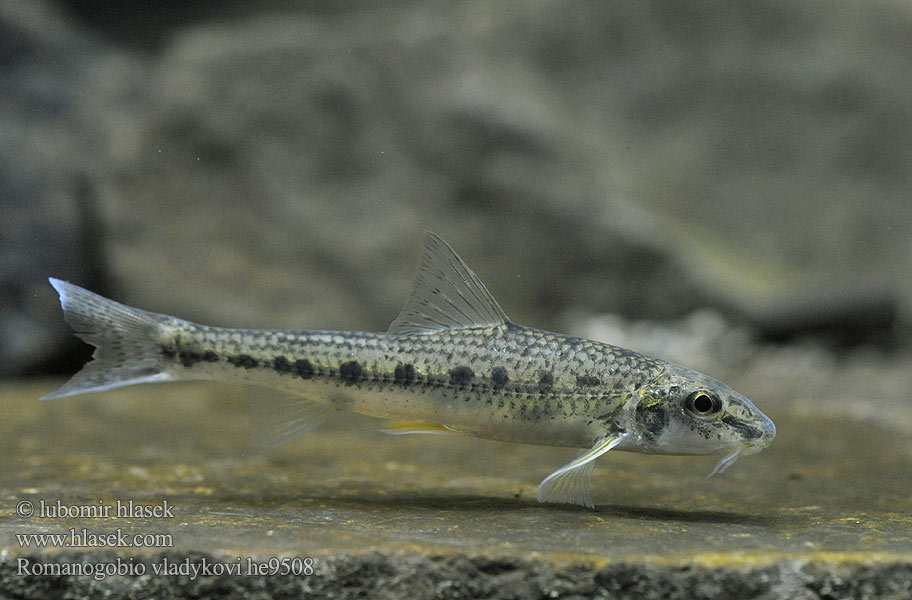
(767, 431)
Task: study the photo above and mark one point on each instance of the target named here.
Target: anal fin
(570, 483)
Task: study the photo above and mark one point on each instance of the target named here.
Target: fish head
(686, 412)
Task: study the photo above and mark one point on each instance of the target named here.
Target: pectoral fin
(407, 427)
(570, 483)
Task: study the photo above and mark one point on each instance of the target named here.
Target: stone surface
(824, 511)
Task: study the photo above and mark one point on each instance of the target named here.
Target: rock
(641, 161)
(62, 89)
(277, 170)
(325, 152)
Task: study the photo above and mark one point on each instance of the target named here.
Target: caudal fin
(126, 340)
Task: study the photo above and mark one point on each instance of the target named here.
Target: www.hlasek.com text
(82, 538)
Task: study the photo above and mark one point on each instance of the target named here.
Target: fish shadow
(394, 502)
(652, 513)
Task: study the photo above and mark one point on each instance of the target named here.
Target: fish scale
(451, 362)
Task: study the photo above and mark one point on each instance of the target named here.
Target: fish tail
(127, 342)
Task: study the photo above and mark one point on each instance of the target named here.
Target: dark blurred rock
(843, 317)
(40, 236)
(146, 26)
(49, 147)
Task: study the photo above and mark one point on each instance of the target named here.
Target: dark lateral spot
(188, 358)
(243, 360)
(587, 381)
(303, 369)
(461, 376)
(404, 374)
(351, 372)
(546, 380)
(281, 364)
(499, 377)
(168, 352)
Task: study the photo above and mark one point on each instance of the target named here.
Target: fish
(452, 362)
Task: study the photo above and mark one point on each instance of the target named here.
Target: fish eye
(703, 405)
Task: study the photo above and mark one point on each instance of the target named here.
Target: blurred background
(721, 184)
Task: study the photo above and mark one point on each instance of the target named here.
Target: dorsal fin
(446, 295)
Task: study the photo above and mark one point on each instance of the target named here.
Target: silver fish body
(451, 362)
